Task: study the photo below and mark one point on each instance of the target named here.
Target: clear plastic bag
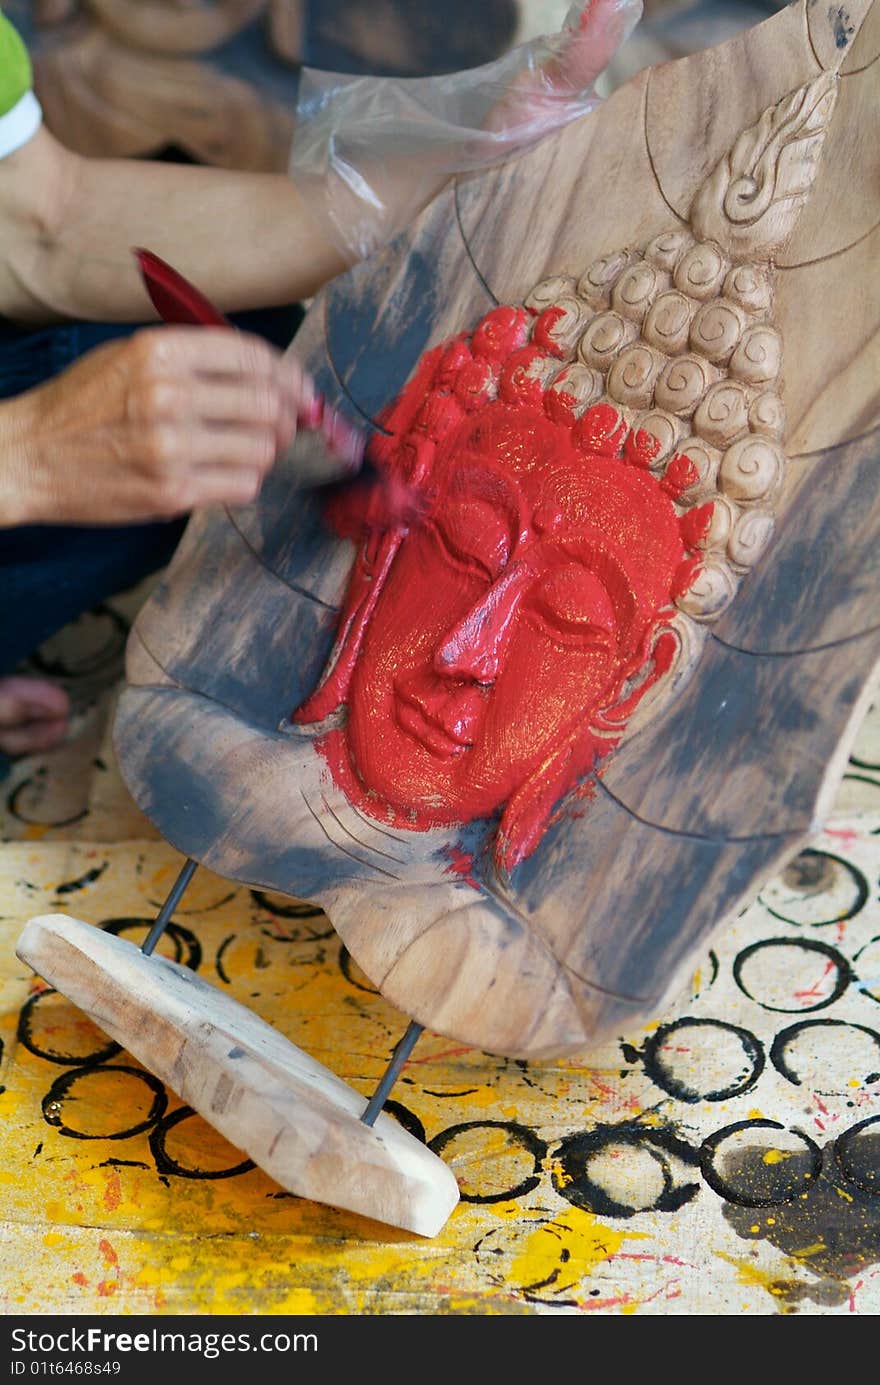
(369, 153)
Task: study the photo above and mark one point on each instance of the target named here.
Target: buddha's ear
(667, 660)
(528, 811)
(371, 567)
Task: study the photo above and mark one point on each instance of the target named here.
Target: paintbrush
(328, 452)
(176, 300)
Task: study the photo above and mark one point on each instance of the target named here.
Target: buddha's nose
(474, 648)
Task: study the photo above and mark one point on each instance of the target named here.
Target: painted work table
(719, 1160)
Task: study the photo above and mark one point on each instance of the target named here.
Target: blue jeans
(50, 574)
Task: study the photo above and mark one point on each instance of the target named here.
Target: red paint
(490, 654)
(113, 1192)
(680, 473)
(640, 447)
(695, 524)
(107, 1287)
(461, 863)
(542, 332)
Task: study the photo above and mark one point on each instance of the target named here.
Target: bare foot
(33, 715)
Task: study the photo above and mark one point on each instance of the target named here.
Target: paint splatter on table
(722, 1160)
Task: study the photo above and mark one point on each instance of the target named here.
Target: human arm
(67, 225)
(368, 154)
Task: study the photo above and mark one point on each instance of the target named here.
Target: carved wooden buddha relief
(598, 469)
(528, 752)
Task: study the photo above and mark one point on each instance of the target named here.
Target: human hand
(151, 427)
(369, 152)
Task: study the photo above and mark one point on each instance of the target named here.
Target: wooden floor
(724, 1160)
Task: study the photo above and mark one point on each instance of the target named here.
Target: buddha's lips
(413, 718)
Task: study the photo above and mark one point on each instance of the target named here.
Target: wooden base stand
(292, 1116)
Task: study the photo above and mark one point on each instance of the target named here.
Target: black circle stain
(167, 1165)
(63, 1094)
(521, 1141)
(659, 1068)
(673, 1158)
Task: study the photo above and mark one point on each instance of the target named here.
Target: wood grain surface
(296, 1119)
(707, 797)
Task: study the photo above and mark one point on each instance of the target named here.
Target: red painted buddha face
(496, 640)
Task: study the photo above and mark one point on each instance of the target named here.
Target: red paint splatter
(458, 1052)
(847, 835)
(461, 864)
(79, 1278)
(113, 1192)
(107, 1287)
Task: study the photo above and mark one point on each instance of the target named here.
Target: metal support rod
(402, 1050)
(168, 907)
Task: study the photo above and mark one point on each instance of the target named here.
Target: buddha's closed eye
(573, 606)
(474, 535)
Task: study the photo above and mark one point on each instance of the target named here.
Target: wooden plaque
(681, 286)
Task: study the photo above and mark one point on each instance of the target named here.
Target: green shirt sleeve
(20, 112)
(16, 77)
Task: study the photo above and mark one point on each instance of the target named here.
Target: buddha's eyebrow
(485, 483)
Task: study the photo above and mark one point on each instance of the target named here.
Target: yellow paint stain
(558, 1173)
(233, 1246)
(841, 1192)
(750, 1274)
(756, 1114)
(776, 1156)
(10, 1103)
(574, 1243)
(228, 1290)
(804, 1253)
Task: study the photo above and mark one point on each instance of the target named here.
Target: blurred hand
(151, 427)
(33, 715)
